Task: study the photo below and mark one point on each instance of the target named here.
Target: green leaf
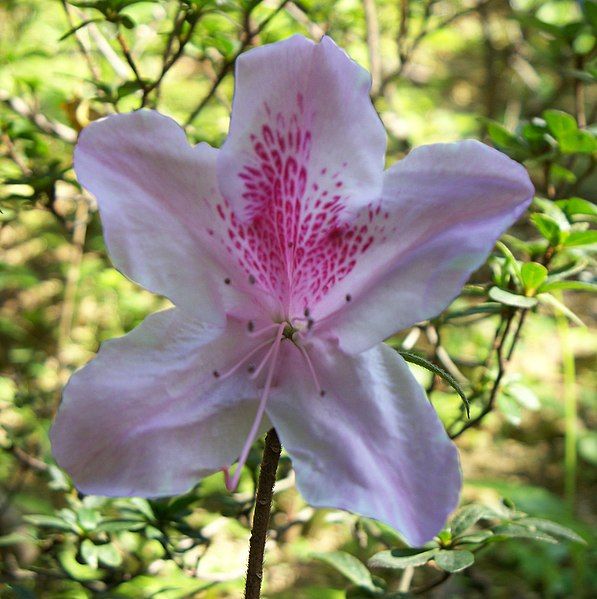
(469, 515)
(50, 522)
(484, 308)
(561, 124)
(88, 518)
(548, 227)
(551, 528)
(579, 142)
(511, 299)
(454, 561)
(350, 567)
(474, 538)
(573, 206)
(532, 275)
(109, 555)
(76, 570)
(420, 361)
(578, 238)
(571, 285)
(512, 530)
(549, 300)
(398, 559)
(89, 553)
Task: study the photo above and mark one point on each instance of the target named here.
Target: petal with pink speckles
(149, 184)
(147, 417)
(443, 208)
(372, 444)
(303, 129)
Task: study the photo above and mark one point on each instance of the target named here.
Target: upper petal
(149, 183)
(442, 210)
(147, 417)
(302, 123)
(372, 445)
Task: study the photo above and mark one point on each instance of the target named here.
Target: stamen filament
(269, 327)
(243, 360)
(263, 362)
(231, 483)
(311, 368)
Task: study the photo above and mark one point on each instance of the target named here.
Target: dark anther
(227, 281)
(250, 326)
(251, 369)
(307, 312)
(216, 374)
(310, 323)
(251, 279)
(322, 392)
(348, 297)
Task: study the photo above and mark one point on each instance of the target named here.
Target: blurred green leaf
(518, 531)
(511, 299)
(551, 528)
(469, 515)
(398, 559)
(454, 560)
(424, 363)
(578, 238)
(533, 275)
(350, 567)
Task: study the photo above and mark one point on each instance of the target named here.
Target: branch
(263, 504)
(229, 63)
(53, 128)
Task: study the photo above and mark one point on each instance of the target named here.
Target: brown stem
(263, 503)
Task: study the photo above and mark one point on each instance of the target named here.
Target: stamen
(263, 362)
(227, 281)
(311, 370)
(231, 483)
(258, 332)
(348, 297)
(232, 370)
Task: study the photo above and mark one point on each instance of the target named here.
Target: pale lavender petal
(303, 129)
(372, 444)
(443, 208)
(150, 184)
(147, 417)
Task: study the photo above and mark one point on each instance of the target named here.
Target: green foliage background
(519, 75)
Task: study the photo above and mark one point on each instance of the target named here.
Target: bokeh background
(519, 342)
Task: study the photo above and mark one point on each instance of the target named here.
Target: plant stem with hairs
(263, 504)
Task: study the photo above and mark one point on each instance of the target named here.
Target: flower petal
(444, 206)
(147, 417)
(372, 445)
(149, 183)
(303, 128)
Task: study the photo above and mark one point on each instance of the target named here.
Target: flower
(289, 255)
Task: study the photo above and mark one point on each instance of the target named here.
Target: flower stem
(263, 503)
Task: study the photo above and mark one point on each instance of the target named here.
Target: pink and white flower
(289, 254)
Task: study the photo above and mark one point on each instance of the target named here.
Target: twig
(229, 63)
(579, 93)
(263, 503)
(81, 43)
(55, 129)
(169, 61)
(129, 59)
(502, 361)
